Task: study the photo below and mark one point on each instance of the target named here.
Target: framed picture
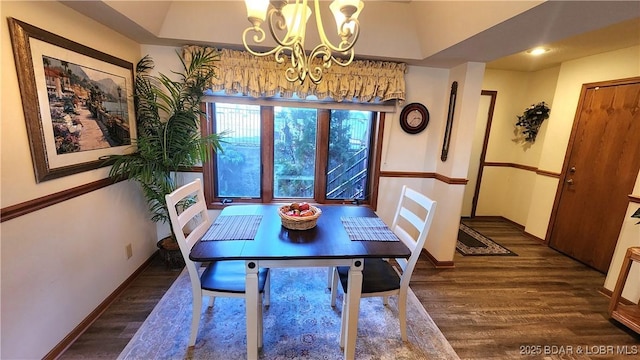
(77, 102)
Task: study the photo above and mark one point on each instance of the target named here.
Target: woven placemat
(361, 228)
(233, 227)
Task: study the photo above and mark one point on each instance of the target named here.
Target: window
(278, 153)
(294, 152)
(238, 165)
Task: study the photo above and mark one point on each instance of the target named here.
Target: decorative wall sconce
(447, 130)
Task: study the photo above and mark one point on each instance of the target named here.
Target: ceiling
(613, 37)
(497, 33)
(570, 29)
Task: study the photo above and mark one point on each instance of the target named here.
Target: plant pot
(170, 253)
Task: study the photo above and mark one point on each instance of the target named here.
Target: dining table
(255, 234)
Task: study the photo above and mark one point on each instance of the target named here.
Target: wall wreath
(531, 120)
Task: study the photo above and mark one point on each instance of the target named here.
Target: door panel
(600, 172)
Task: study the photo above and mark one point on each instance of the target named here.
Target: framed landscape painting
(77, 102)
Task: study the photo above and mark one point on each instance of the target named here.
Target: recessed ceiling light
(537, 51)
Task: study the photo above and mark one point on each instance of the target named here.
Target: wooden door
(599, 172)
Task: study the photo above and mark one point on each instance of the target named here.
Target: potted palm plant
(168, 116)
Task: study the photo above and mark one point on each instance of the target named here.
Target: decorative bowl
(297, 222)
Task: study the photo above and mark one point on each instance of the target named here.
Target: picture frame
(447, 131)
(77, 102)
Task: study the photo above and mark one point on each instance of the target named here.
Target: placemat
(233, 227)
(367, 229)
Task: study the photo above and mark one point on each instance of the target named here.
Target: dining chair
(190, 221)
(380, 278)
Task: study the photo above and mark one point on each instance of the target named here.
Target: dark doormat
(472, 243)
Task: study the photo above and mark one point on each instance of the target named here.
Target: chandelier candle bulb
(344, 11)
(257, 11)
(296, 17)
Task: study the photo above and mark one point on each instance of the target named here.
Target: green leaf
(168, 118)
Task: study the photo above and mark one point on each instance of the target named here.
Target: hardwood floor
(494, 307)
(488, 307)
(111, 332)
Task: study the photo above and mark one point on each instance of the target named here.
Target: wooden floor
(488, 307)
(111, 332)
(495, 307)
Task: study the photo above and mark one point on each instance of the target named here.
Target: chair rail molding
(24, 208)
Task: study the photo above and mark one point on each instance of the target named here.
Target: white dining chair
(187, 206)
(380, 278)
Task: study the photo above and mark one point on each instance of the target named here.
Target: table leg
(354, 290)
(251, 305)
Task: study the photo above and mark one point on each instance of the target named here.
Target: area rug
(472, 243)
(299, 324)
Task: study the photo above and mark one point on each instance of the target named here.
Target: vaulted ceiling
(427, 33)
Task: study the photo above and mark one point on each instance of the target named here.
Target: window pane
(238, 166)
(349, 149)
(294, 152)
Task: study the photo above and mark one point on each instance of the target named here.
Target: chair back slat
(411, 224)
(404, 236)
(412, 218)
(189, 224)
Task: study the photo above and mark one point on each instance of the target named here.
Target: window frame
(267, 156)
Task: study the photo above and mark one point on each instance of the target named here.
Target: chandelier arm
(257, 38)
(280, 56)
(328, 57)
(355, 35)
(277, 22)
(322, 51)
(323, 36)
(299, 64)
(342, 62)
(316, 72)
(315, 75)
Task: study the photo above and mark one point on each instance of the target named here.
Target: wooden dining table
(271, 245)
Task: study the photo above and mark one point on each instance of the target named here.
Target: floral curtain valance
(239, 72)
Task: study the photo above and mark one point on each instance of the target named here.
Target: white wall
(59, 263)
(402, 152)
(506, 191)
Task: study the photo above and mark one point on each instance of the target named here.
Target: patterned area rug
(299, 324)
(471, 242)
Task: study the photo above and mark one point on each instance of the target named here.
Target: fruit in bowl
(301, 209)
(299, 216)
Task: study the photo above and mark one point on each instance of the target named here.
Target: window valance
(362, 81)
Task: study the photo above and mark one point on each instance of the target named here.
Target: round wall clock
(414, 118)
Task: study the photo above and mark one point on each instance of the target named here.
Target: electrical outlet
(129, 251)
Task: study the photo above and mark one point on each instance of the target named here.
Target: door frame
(492, 104)
(572, 136)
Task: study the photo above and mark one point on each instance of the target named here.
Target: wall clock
(414, 118)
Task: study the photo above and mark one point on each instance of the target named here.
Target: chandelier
(287, 21)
